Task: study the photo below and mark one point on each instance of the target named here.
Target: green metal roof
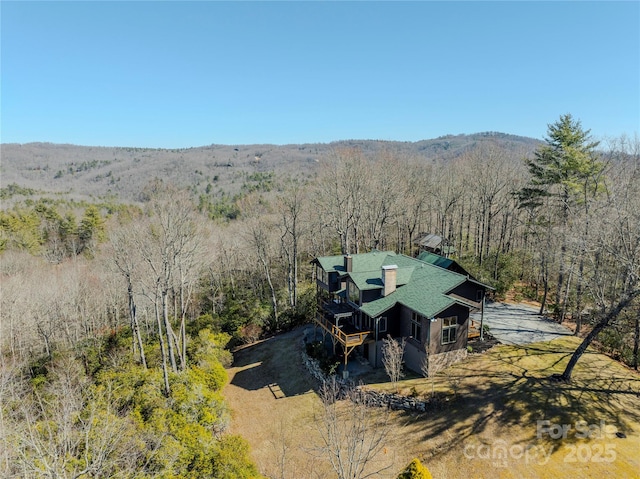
(372, 261)
(421, 286)
(362, 262)
(425, 293)
(331, 263)
(435, 259)
(364, 281)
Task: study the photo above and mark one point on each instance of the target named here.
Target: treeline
(561, 227)
(54, 229)
(538, 224)
(97, 413)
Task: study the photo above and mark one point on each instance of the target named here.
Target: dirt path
(273, 404)
(272, 401)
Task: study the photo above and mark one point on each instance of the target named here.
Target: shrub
(328, 363)
(415, 470)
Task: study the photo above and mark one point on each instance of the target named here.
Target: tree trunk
(274, 299)
(544, 272)
(543, 303)
(636, 341)
(565, 299)
(163, 353)
(457, 234)
(563, 252)
(135, 328)
(169, 330)
(483, 231)
(604, 322)
(295, 271)
(487, 241)
(579, 294)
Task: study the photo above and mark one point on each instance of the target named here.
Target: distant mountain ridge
(93, 171)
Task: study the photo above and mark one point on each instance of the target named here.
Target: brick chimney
(348, 263)
(389, 278)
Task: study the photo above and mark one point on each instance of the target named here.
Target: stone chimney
(389, 278)
(348, 263)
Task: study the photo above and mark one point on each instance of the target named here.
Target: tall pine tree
(559, 170)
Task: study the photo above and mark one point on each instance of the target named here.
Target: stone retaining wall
(347, 389)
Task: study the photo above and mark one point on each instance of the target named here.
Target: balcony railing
(349, 339)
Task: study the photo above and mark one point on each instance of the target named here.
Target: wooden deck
(347, 339)
(474, 329)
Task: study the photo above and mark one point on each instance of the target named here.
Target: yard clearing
(499, 414)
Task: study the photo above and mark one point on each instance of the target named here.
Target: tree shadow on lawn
(274, 363)
(509, 388)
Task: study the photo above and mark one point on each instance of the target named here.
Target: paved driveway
(519, 324)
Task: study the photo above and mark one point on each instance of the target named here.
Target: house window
(382, 325)
(416, 326)
(479, 295)
(449, 329)
(354, 292)
(322, 275)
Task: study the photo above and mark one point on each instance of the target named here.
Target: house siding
(334, 283)
(415, 352)
(414, 357)
(370, 295)
(436, 346)
(394, 322)
(468, 290)
(435, 282)
(375, 354)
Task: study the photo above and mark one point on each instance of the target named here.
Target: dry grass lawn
(487, 423)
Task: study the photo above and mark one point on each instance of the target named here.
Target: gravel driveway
(519, 324)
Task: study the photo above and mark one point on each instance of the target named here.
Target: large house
(363, 298)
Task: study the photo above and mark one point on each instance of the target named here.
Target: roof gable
(331, 263)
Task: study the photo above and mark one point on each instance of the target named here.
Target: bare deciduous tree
(170, 247)
(353, 434)
(393, 358)
(259, 235)
(126, 259)
(431, 365)
(613, 256)
(340, 196)
(70, 429)
(291, 205)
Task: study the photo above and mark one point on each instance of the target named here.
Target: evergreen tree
(559, 170)
(91, 229)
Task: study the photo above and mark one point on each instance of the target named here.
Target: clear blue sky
(181, 74)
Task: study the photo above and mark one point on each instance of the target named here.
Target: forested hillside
(127, 272)
(90, 172)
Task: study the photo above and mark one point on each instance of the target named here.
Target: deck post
(482, 318)
(345, 372)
